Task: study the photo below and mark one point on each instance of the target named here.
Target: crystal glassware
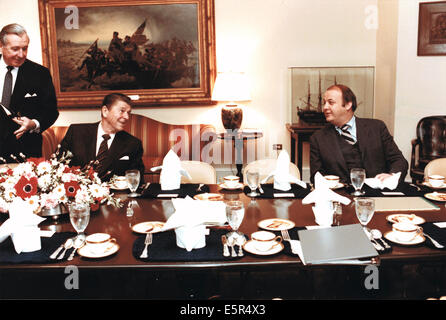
(253, 180)
(79, 216)
(365, 208)
(357, 176)
(235, 211)
(133, 177)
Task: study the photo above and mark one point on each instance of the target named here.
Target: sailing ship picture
(309, 84)
(128, 48)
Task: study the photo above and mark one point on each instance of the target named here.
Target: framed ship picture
(308, 84)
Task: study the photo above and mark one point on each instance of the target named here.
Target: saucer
(209, 196)
(112, 186)
(224, 186)
(426, 183)
(148, 227)
(391, 237)
(276, 224)
(249, 247)
(86, 251)
(338, 186)
(436, 196)
(399, 217)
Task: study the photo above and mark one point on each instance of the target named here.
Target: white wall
(262, 37)
(421, 81)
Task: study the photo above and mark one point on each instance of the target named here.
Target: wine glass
(253, 180)
(79, 216)
(235, 211)
(365, 208)
(133, 178)
(357, 176)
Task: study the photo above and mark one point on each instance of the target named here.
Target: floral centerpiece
(48, 183)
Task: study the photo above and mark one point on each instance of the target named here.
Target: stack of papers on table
(403, 204)
(339, 244)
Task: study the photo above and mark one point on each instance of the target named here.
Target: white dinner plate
(148, 227)
(400, 217)
(249, 247)
(276, 224)
(86, 251)
(391, 237)
(436, 196)
(224, 186)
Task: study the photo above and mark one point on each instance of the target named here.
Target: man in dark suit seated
(104, 144)
(349, 142)
(27, 95)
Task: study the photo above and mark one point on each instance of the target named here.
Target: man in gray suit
(349, 142)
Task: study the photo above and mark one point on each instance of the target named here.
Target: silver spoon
(78, 243)
(67, 245)
(377, 235)
(241, 240)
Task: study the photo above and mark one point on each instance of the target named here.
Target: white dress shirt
(99, 138)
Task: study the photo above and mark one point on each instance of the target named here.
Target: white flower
(44, 182)
(23, 168)
(34, 202)
(67, 177)
(43, 168)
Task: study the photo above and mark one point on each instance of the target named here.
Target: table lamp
(231, 87)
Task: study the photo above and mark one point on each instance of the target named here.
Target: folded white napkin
(190, 218)
(322, 197)
(171, 172)
(282, 176)
(22, 227)
(390, 183)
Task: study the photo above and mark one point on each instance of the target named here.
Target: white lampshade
(231, 86)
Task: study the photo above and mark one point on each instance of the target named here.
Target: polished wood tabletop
(115, 222)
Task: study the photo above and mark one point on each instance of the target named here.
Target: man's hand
(26, 125)
(383, 176)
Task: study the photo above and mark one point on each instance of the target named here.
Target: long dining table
(415, 271)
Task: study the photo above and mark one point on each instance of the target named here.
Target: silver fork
(147, 242)
(286, 237)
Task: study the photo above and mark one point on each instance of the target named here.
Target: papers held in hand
(339, 244)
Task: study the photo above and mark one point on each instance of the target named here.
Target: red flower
(26, 188)
(94, 206)
(71, 188)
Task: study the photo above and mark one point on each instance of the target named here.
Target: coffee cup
(100, 242)
(405, 231)
(332, 181)
(436, 180)
(264, 240)
(120, 182)
(231, 181)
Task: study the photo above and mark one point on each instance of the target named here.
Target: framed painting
(308, 85)
(432, 29)
(161, 53)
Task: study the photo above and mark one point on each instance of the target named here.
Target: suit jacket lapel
(361, 136)
(91, 135)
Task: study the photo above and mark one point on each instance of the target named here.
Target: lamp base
(231, 116)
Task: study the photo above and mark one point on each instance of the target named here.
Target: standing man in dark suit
(349, 142)
(106, 143)
(28, 96)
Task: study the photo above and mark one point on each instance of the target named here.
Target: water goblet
(365, 208)
(253, 180)
(133, 177)
(235, 211)
(357, 176)
(79, 216)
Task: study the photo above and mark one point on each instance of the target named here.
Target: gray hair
(12, 28)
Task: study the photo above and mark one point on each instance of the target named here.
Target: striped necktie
(346, 134)
(102, 153)
(7, 88)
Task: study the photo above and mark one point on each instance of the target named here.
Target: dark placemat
(49, 245)
(437, 233)
(293, 236)
(186, 189)
(407, 189)
(269, 191)
(164, 248)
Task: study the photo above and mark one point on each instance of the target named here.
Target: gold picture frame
(167, 57)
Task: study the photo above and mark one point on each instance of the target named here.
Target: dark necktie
(346, 134)
(102, 153)
(7, 88)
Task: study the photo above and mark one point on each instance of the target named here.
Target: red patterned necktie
(102, 153)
